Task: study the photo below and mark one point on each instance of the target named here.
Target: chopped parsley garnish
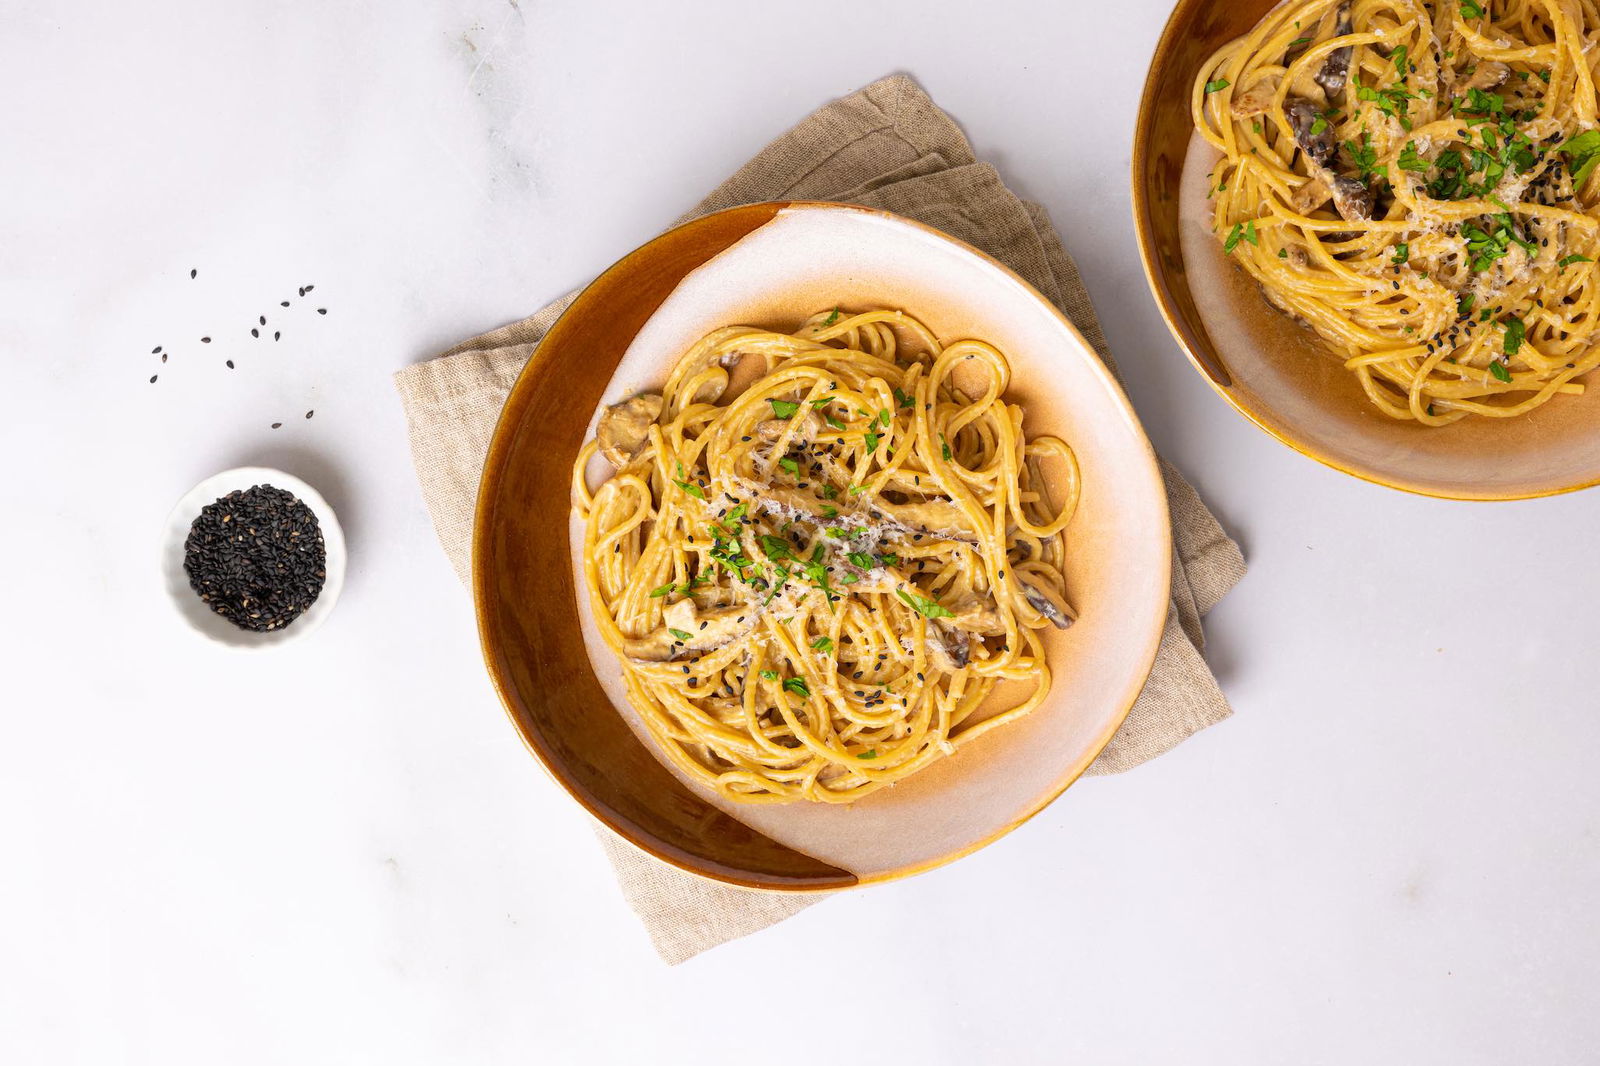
(840, 532)
(870, 753)
(680, 634)
(860, 559)
(856, 490)
(1464, 305)
(769, 675)
(1470, 10)
(1319, 125)
(883, 416)
(1583, 153)
(829, 492)
(1394, 102)
(1515, 332)
(1401, 61)
(1499, 371)
(664, 590)
(1402, 253)
(784, 408)
(829, 511)
(798, 686)
(1283, 253)
(832, 421)
(1364, 156)
(822, 644)
(872, 440)
(945, 447)
(1241, 230)
(775, 547)
(1410, 160)
(831, 319)
(903, 398)
(790, 465)
(1568, 260)
(924, 606)
(1215, 86)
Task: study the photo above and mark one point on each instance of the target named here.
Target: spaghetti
(1413, 179)
(813, 582)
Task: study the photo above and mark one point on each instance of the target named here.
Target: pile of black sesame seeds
(256, 557)
(255, 332)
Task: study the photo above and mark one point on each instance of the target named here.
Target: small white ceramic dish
(193, 610)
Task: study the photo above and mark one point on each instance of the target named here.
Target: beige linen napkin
(886, 146)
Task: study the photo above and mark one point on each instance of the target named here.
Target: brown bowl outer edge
(675, 825)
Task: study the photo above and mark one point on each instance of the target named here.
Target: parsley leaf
(945, 446)
(872, 441)
(1410, 160)
(1470, 10)
(831, 319)
(1402, 253)
(1584, 154)
(829, 511)
(822, 644)
(924, 606)
(1567, 261)
(790, 465)
(784, 408)
(797, 685)
(680, 634)
(870, 753)
(1215, 86)
(1499, 371)
(1516, 330)
(664, 590)
(769, 675)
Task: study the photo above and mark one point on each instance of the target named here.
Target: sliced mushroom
(950, 646)
(940, 518)
(805, 427)
(976, 615)
(1310, 196)
(625, 427)
(706, 631)
(1488, 76)
(1255, 100)
(1335, 70)
(1046, 604)
(1303, 116)
(1352, 198)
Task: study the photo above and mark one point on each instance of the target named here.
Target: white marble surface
(340, 852)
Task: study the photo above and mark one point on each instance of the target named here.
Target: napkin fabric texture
(887, 146)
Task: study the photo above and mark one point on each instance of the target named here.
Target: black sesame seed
(277, 425)
(263, 320)
(255, 333)
(276, 335)
(156, 350)
(230, 364)
(263, 579)
(322, 310)
(163, 357)
(193, 274)
(205, 340)
(153, 378)
(309, 288)
(284, 303)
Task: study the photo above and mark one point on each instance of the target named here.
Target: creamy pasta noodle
(816, 557)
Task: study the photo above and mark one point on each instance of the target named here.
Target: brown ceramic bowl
(771, 265)
(1276, 373)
